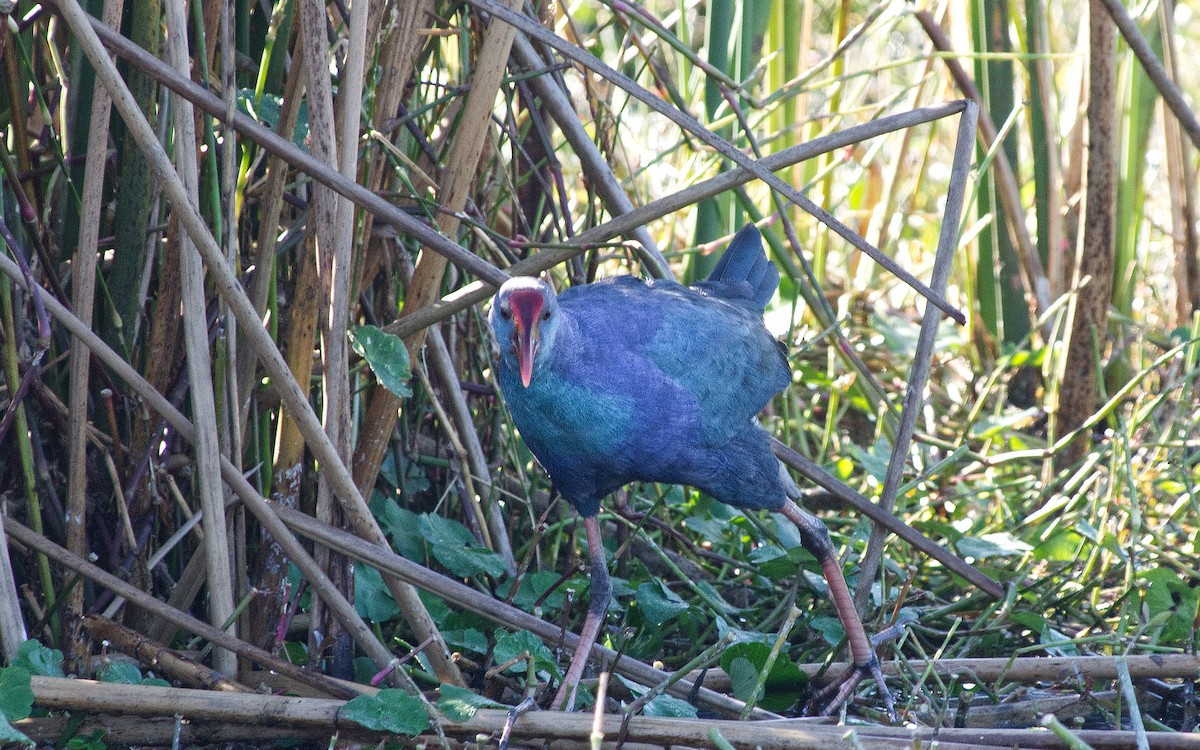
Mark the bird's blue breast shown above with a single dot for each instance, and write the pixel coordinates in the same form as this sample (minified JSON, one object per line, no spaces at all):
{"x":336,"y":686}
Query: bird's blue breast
{"x":572,"y":416}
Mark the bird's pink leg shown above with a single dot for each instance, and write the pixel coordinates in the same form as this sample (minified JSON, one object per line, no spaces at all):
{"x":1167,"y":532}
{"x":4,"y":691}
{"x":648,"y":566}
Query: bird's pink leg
{"x":600,"y":594}
{"x":815,"y":538}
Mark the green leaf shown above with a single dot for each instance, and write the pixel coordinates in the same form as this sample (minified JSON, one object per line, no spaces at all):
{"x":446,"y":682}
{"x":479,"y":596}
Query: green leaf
{"x":1001,"y":544}
{"x":39,"y":660}
{"x":121,"y":672}
{"x":1165,"y":592}
{"x":670,"y":707}
{"x":533,"y":587}
{"x":509,"y":646}
{"x":10,"y":736}
{"x":460,"y":704}
{"x":401,"y":525}
{"x":91,"y":741}
{"x":389,"y":710}
{"x":467,"y":639}
{"x":743,"y":676}
{"x":1062,"y":546}
{"x":830,"y":629}
{"x":663,"y":705}
{"x":372,"y":600}
{"x":658,"y":603}
{"x":16,"y":696}
{"x":778,"y":563}
{"x":454,"y":547}
{"x":785,"y":683}
{"x":386,"y":355}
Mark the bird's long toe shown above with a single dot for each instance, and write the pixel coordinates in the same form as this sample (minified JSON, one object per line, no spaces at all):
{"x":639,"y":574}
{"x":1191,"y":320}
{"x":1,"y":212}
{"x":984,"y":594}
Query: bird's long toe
{"x":830,"y":699}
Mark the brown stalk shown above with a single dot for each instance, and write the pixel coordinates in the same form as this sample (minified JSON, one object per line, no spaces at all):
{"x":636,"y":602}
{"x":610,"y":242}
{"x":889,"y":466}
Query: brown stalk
{"x":296,"y":156}
{"x":305,"y":715}
{"x":1089,"y":319}
{"x":1182,"y":177}
{"x":395,"y":64}
{"x":12,"y":624}
{"x":457,"y":179}
{"x":262,"y":510}
{"x":1026,"y":670}
{"x":217,"y":636}
{"x":199,"y":359}
{"x":227,"y":284}
{"x":164,"y":731}
{"x":331,"y":248}
{"x":83,"y":292}
{"x":269,"y":569}
{"x":166,"y":662}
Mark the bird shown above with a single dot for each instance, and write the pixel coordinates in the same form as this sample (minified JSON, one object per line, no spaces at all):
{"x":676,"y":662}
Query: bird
{"x":624,"y":380}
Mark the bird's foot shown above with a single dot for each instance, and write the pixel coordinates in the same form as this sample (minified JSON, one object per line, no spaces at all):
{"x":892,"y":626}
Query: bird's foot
{"x":844,"y":688}
{"x":515,"y":713}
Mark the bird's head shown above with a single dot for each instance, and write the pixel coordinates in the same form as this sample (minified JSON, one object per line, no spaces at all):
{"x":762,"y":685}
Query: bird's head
{"x":524,"y":319}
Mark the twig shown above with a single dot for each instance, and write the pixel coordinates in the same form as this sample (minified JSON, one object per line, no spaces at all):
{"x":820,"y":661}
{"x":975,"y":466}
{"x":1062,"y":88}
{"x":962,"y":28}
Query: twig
{"x":228,"y":285}
{"x":918,"y":374}
{"x":721,"y":146}
{"x":1135,"y":712}
{"x":293,"y":154}
{"x":1069,"y":738}
{"x":471,"y":600}
{"x":181,"y":619}
{"x":478,"y":291}
{"x":306,"y":716}
{"x":1158,"y":75}
{"x":241,"y":487}
{"x":887,"y":520}
{"x":199,"y":357}
{"x":1021,"y":670}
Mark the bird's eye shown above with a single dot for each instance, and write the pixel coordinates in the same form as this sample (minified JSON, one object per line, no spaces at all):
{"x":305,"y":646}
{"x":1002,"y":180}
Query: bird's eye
{"x":546,"y":315}
{"x":505,"y":312}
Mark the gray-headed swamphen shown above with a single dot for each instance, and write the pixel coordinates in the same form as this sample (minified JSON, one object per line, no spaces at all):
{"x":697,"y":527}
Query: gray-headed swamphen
{"x":627,"y":381}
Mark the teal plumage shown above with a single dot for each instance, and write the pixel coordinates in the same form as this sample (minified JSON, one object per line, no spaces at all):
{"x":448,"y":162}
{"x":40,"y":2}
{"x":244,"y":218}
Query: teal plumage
{"x":652,"y":381}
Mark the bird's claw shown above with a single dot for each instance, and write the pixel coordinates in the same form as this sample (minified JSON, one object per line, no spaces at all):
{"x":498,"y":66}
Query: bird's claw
{"x":844,"y":688}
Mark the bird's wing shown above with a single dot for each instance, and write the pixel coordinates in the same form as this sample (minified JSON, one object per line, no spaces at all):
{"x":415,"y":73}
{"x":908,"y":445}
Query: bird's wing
{"x":669,"y":341}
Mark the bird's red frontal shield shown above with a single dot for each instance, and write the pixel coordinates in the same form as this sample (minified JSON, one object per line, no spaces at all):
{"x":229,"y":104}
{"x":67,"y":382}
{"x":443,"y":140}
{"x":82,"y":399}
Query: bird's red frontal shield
{"x":527,"y":311}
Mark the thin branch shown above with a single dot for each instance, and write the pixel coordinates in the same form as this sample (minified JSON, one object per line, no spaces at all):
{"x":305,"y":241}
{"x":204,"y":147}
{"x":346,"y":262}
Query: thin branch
{"x":217,"y":636}
{"x":623,"y":224}
{"x":199,"y":358}
{"x":692,"y":125}
{"x":293,"y":154}
{"x":226,"y":282}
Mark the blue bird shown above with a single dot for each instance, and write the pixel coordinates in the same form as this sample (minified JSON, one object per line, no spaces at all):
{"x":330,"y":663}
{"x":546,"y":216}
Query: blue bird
{"x":627,"y":380}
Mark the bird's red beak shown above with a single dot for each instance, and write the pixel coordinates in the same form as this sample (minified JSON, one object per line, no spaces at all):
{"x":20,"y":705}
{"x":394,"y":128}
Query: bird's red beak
{"x":527,"y":311}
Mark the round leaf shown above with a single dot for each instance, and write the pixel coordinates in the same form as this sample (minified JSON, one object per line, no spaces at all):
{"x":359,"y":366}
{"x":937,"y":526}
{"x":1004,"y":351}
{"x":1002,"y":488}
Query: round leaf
{"x":388,"y":711}
{"x":387,"y":357}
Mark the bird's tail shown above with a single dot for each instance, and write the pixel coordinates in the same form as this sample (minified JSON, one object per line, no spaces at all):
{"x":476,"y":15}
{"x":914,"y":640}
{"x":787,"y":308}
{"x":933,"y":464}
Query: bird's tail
{"x":745,"y":265}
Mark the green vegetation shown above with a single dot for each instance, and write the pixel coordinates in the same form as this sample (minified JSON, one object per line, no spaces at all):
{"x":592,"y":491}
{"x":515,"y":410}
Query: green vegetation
{"x":340,"y":362}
